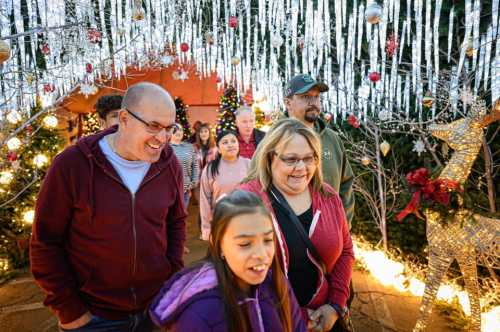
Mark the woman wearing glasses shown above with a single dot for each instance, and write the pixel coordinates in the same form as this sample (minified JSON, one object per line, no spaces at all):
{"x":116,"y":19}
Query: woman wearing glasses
{"x":220,"y":177}
{"x":316,"y":247}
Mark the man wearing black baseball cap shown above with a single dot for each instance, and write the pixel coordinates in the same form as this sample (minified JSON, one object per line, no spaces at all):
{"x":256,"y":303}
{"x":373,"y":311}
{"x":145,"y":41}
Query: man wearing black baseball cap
{"x":303,"y":102}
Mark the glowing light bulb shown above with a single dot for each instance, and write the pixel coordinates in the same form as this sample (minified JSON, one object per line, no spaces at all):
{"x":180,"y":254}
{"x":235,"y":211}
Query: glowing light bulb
{"x":14,"y":144}
{"x":40,"y":160}
{"x":50,"y":121}
{"x":29,"y":216}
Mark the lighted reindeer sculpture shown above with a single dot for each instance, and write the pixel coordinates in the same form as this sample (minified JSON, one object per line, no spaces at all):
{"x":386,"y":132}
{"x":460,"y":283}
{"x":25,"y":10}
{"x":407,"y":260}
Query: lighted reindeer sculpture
{"x":467,"y":235}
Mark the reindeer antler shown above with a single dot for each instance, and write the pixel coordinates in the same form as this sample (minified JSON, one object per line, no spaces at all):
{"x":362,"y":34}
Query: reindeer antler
{"x":492,"y":117}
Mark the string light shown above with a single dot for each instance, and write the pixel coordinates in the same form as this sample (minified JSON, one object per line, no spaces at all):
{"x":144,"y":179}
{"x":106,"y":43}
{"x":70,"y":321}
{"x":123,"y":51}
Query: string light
{"x":13,"y":144}
{"x":6,"y":177}
{"x":50,"y":121}
{"x":40,"y":160}
{"x":29,"y":216}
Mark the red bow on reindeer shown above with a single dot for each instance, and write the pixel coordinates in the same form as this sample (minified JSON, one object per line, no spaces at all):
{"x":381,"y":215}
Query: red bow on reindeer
{"x":437,"y":191}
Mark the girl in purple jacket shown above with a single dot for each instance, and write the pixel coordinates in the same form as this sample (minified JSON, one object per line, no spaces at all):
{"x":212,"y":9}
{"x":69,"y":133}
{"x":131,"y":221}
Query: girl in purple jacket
{"x":240,"y":285}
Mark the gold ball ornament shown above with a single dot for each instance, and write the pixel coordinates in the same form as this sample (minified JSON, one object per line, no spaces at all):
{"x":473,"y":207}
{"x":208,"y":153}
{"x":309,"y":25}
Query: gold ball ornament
{"x":373,"y":13}
{"x":139,"y":14}
{"x":366,"y":161}
{"x":4,"y":51}
{"x":384,"y":148}
{"x":235,"y":60}
{"x":428,"y":100}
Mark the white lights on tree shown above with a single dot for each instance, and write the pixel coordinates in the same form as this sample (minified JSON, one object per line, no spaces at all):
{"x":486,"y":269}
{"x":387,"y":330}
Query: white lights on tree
{"x":13,"y":144}
{"x":6,"y":177}
{"x":50,"y":121}
{"x":29,"y":217}
{"x":40,"y":160}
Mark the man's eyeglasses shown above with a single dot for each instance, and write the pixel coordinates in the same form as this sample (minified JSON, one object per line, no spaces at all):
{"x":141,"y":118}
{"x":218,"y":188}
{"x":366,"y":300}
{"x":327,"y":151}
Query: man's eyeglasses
{"x":153,"y":128}
{"x":309,"y":99}
{"x":294,"y":161}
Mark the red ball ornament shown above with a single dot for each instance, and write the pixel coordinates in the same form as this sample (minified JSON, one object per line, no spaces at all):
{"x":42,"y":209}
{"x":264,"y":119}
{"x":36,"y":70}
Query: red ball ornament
{"x":374,"y":77}
{"x":48,"y":87}
{"x":184,"y":47}
{"x":233,"y":22}
{"x":29,"y":129}
{"x":89,"y":68}
{"x":94,"y":36}
{"x":353,"y":121}
{"x":45,"y":49}
{"x":11,"y":156}
{"x":392,"y":45}
{"x":218,"y":80}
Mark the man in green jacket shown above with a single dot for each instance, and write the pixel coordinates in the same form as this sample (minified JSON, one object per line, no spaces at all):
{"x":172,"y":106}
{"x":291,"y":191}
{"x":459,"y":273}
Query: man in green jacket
{"x":302,"y":101}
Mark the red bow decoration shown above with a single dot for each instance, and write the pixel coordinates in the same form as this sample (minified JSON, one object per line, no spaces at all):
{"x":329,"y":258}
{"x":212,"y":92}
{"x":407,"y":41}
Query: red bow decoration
{"x":436,"y":191}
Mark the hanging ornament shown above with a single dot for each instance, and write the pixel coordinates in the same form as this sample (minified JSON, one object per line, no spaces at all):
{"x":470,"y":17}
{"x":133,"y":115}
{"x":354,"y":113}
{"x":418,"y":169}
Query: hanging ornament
{"x":364,"y":91}
{"x":48,"y":87}
{"x":233,"y":22}
{"x":29,"y":216}
{"x":218,"y":79}
{"x":373,"y":13}
{"x":94,"y":36}
{"x":166,"y":60}
{"x":30,"y":78}
{"x":384,"y":148}
{"x":276,"y":40}
{"x":328,"y":117}
{"x":6,"y":177}
{"x":374,"y":76}
{"x":89,"y":68}
{"x":11,"y":156}
{"x":209,"y":38}
{"x":175,"y":75}
{"x":419,"y":146}
{"x":4,"y":51}
{"x":14,"y":117}
{"x":235,"y":60}
{"x":29,"y":129}
{"x":184,"y":47}
{"x":50,"y":121}
{"x":45,"y":49}
{"x":428,"y":99}
{"x":470,"y":51}
{"x":14,"y":144}
{"x":384,"y":115}
{"x":366,"y":161}
{"x":301,"y":42}
{"x":40,"y":160}
{"x":353,"y":121}
{"x":139,"y":14}
{"x":392,"y":45}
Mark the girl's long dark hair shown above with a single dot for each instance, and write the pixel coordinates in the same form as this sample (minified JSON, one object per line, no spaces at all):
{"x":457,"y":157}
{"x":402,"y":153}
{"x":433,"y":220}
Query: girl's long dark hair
{"x":237,"y":203}
{"x":213,"y":166}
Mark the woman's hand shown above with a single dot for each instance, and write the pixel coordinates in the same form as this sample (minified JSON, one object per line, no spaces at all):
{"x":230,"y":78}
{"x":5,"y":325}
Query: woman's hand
{"x":322,"y":319}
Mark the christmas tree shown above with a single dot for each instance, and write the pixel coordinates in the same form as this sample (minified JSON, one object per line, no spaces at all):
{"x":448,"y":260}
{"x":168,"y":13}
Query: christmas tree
{"x":26,"y":158}
{"x":181,"y":117}
{"x":229,"y":103}
{"x":90,"y":123}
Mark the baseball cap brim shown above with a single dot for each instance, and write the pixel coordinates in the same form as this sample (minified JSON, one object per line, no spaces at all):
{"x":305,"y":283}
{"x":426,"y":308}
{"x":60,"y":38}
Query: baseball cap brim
{"x":321,"y":86}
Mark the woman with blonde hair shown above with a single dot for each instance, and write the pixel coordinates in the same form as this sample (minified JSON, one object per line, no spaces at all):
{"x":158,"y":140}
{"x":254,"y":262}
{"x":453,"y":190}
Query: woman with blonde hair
{"x":314,"y":240}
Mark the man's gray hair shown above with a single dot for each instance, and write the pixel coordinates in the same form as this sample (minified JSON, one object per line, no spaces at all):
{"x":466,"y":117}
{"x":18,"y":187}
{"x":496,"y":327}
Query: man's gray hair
{"x":137,"y":92}
{"x":244,"y":110}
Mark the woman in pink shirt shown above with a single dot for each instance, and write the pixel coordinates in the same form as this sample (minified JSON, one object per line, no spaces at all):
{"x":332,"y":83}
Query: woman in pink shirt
{"x":220,"y":176}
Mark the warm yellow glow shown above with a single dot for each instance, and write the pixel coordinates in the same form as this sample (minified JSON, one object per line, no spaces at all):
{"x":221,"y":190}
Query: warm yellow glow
{"x":29,"y":216}
{"x":6,"y":177}
{"x":4,"y":264}
{"x":50,"y":121}
{"x":40,"y":160}
{"x":14,"y":144}
{"x":391,"y":273}
{"x":14,"y":117}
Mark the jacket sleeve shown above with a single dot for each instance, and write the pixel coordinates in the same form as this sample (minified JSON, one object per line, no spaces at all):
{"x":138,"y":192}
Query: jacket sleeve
{"x":206,"y":194}
{"x":195,"y":169}
{"x":49,"y":264}
{"x":346,"y":191}
{"x":176,"y":224}
{"x":340,"y":276}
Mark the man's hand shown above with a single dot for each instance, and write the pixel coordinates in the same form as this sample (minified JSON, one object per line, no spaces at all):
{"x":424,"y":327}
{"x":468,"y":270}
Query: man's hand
{"x":322,"y":319}
{"x":79,"y":322}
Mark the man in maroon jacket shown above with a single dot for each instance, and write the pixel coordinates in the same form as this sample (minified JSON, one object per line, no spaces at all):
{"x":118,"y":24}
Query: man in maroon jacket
{"x":110,"y":220}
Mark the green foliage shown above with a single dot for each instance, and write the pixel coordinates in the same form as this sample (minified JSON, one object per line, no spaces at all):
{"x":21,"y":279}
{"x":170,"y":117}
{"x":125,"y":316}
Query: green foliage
{"x":455,"y":316}
{"x":229,"y":103}
{"x":18,"y":197}
{"x":181,"y":117}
